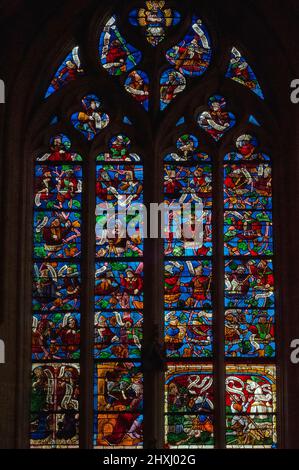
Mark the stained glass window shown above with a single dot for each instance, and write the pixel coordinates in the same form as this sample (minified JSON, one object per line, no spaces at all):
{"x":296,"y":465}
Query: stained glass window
{"x":154,"y":123}
{"x":56,"y":319}
{"x":118,"y":384}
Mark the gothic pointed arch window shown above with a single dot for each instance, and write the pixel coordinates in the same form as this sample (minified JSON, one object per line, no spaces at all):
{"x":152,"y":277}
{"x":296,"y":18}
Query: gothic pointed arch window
{"x":136,"y":341}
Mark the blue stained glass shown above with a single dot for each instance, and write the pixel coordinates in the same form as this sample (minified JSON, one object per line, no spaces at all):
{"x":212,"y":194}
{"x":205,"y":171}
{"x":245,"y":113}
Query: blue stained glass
{"x":127,"y":121}
{"x":254,"y":121}
{"x":180,"y":122}
{"x":68,"y":71}
{"x":240,"y":71}
{"x":116,"y":55}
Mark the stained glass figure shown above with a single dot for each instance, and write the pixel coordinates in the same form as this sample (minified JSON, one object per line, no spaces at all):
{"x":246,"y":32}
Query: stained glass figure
{"x":250,"y":404}
{"x":249,"y":284}
{"x":60,"y":147}
{"x":119,"y":285}
{"x":189,"y":405}
{"x":56,"y":336}
{"x":187,"y":151}
{"x":189,"y":431}
{"x":58,"y":187}
{"x":155,"y":18}
{"x":247,"y":149}
{"x":248,"y":186}
{"x":69,"y":70}
{"x":192,"y":55}
{"x":54,"y":405}
{"x":248,"y":233}
{"x":187,"y":284}
{"x":137,"y":84}
{"x":119,"y":150}
{"x":116,"y":55}
{"x":188,"y":333}
{"x":118,"y":335}
{"x":250,"y":333}
{"x":216,"y":121}
{"x":240,"y":71}
{"x":56,"y":286}
{"x":172,"y":83}
{"x":91,"y":120}
{"x":118,"y":388}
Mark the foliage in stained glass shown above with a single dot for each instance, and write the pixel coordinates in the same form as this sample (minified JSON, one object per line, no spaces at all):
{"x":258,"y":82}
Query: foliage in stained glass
{"x":248,"y":233}
{"x":155,"y":18}
{"x":56,"y":286}
{"x":119,"y":285}
{"x":240,"y":71}
{"x":69,"y":70}
{"x":118,"y":335}
{"x":56,"y":336}
{"x":137,"y":84}
{"x":58,"y":187}
{"x":116,"y":54}
{"x":91,"y":119}
{"x":249,"y":284}
{"x":247,"y":146}
{"x":187,"y":284}
{"x":54,"y":405}
{"x":189,"y":431}
{"x":192,"y":55}
{"x":57,"y":234}
{"x":119,"y":150}
{"x":188,"y":333}
{"x":172,"y":83}
{"x":250,"y":333}
{"x":187,"y":151}
{"x":60,"y":146}
{"x":216,"y":121}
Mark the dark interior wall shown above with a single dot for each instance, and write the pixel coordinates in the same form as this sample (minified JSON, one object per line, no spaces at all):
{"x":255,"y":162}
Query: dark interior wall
{"x":31,"y":33}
